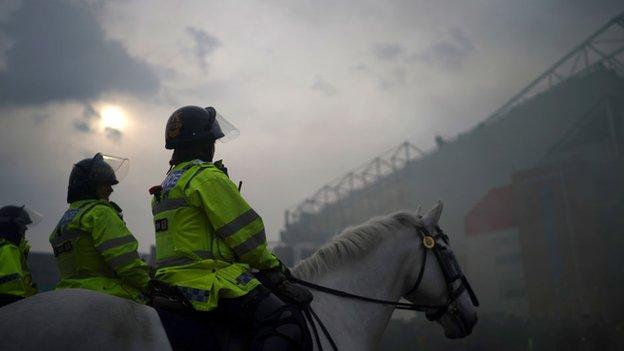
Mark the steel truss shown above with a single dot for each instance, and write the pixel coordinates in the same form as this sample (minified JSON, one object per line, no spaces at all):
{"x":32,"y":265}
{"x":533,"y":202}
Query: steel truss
{"x":361,"y":177}
{"x":605,"y":47}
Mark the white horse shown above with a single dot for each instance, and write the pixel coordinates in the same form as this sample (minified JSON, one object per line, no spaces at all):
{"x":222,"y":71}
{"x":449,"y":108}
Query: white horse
{"x":380,"y":259}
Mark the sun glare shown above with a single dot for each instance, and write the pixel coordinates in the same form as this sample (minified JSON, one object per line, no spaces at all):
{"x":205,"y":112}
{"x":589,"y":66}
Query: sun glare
{"x":113,"y":117}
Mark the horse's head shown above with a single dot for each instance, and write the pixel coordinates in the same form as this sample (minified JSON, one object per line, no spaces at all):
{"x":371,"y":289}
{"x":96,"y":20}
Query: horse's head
{"x":440,"y":284}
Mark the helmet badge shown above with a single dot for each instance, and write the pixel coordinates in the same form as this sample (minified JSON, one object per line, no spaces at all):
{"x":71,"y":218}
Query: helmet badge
{"x":174,"y":125}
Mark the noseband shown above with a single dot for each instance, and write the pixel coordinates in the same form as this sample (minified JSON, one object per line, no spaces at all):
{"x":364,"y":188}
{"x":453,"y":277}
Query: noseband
{"x":450,"y":270}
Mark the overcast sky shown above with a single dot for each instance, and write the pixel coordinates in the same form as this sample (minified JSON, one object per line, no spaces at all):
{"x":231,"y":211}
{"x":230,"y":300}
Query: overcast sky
{"x":316,"y":87}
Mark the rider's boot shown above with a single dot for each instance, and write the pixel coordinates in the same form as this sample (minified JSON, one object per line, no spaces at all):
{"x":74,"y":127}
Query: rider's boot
{"x":273,"y":325}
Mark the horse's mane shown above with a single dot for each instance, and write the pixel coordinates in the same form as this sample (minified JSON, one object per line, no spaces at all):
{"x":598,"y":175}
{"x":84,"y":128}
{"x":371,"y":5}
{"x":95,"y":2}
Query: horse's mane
{"x":353,"y":243}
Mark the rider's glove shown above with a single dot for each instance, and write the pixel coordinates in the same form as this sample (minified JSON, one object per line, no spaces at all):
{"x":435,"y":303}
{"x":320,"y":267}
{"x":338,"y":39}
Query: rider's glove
{"x":271,"y":278}
{"x":276,"y":279}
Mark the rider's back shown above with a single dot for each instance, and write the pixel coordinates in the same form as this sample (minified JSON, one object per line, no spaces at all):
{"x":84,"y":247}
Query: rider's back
{"x":95,"y":250}
{"x":207,"y":236}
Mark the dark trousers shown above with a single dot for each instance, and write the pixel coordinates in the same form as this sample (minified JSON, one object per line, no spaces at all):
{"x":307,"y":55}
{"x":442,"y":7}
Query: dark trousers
{"x":7,"y":299}
{"x":272,"y":324}
{"x":259,"y":319}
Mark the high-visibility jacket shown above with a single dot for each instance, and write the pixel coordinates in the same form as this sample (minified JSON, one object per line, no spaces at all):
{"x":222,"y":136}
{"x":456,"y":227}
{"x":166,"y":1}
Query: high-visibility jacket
{"x":15,"y":278}
{"x":207,"y":236}
{"x":95,"y":250}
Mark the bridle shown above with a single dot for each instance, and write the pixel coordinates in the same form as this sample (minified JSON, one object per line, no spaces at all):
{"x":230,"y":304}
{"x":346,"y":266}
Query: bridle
{"x":450,"y":270}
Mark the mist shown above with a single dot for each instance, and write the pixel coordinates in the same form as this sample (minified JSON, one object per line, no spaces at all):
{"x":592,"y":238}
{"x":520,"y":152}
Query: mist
{"x":351,"y":110}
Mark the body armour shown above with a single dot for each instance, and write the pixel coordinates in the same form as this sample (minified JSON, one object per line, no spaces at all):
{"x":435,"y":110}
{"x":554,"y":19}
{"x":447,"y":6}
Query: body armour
{"x":207,"y":236}
{"x":95,"y":250}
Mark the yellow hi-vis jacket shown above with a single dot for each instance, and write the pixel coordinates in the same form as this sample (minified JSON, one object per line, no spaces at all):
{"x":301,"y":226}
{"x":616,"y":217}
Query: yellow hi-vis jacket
{"x":95,"y":250}
{"x":15,"y":278}
{"x":207,"y":236}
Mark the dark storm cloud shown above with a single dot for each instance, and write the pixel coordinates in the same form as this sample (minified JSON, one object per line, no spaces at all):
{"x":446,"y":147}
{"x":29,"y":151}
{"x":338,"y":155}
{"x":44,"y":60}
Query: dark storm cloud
{"x":388,"y":51}
{"x":205,"y":44}
{"x":113,"y":134}
{"x":60,"y":53}
{"x":83,"y":126}
{"x":89,"y":114}
{"x":324,"y":87}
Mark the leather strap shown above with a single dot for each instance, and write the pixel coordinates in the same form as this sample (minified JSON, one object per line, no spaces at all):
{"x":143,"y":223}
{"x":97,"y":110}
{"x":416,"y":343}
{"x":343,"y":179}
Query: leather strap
{"x":398,"y":305}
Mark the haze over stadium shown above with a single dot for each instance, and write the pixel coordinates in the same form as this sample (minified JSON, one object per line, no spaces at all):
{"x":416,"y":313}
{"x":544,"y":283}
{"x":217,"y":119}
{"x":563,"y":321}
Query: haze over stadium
{"x":511,"y":112}
{"x":315,"y":88}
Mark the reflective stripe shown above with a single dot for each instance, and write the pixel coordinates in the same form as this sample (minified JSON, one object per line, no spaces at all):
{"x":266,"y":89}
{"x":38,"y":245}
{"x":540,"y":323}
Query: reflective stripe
{"x":168,"y":205}
{"x":120,"y":241}
{"x":67,"y":234}
{"x":193,"y":294}
{"x":123,"y":260}
{"x":181,"y":261}
{"x":9,"y":278}
{"x":250,"y":244}
{"x":237,"y":224}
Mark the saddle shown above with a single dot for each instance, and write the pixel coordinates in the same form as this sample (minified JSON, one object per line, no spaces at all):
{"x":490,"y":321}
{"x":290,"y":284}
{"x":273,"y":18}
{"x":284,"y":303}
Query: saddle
{"x":188,"y":329}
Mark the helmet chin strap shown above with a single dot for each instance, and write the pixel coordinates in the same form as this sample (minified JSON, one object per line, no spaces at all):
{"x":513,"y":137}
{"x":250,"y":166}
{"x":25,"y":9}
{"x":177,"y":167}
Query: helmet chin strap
{"x":103,"y":191}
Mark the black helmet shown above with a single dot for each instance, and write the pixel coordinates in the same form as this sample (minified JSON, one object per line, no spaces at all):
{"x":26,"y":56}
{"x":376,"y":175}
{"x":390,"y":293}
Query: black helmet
{"x":13,"y":221}
{"x":14,"y":214}
{"x":189,"y":125}
{"x":91,"y":172}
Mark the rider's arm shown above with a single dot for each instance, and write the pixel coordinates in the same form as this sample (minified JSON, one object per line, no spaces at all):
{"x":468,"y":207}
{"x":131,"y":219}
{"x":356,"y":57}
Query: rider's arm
{"x":234,"y":221}
{"x":118,"y":247}
{"x":29,"y":286}
{"x":12,"y":278}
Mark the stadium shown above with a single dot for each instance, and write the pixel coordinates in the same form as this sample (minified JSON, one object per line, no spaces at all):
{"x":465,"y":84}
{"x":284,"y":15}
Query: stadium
{"x":534,"y":197}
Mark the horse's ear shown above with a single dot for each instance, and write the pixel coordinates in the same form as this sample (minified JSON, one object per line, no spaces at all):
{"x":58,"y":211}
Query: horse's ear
{"x":433,"y":216}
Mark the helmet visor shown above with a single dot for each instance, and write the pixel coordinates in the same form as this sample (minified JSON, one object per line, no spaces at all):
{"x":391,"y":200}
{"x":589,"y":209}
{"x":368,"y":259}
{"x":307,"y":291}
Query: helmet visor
{"x":34,"y":217}
{"x":225,"y":128}
{"x":120,"y":165}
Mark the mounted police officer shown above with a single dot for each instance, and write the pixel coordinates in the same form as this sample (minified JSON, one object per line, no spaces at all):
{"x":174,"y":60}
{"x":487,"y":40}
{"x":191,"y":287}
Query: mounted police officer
{"x":208,"y":238}
{"x":15,"y":279}
{"x":93,"y":247}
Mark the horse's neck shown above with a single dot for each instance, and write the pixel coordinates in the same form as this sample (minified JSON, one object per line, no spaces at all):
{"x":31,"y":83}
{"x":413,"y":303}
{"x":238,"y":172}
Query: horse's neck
{"x":357,"y":325}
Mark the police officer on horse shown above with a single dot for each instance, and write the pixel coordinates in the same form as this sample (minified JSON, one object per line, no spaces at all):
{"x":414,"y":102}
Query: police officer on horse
{"x":208,"y":238}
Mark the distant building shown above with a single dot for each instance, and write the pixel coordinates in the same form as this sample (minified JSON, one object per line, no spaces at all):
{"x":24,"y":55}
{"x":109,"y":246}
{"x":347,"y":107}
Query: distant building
{"x":150,"y":258}
{"x":552,"y":239}
{"x":493,"y":246}
{"x":571,"y":219}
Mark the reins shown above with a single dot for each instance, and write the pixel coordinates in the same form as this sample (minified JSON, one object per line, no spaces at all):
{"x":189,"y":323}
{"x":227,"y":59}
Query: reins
{"x":429,"y":243}
{"x":396,"y":304}
{"x":312,"y":316}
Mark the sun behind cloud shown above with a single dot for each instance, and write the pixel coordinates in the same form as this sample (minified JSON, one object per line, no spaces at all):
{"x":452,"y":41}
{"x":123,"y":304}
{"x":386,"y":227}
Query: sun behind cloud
{"x":113,"y":116}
